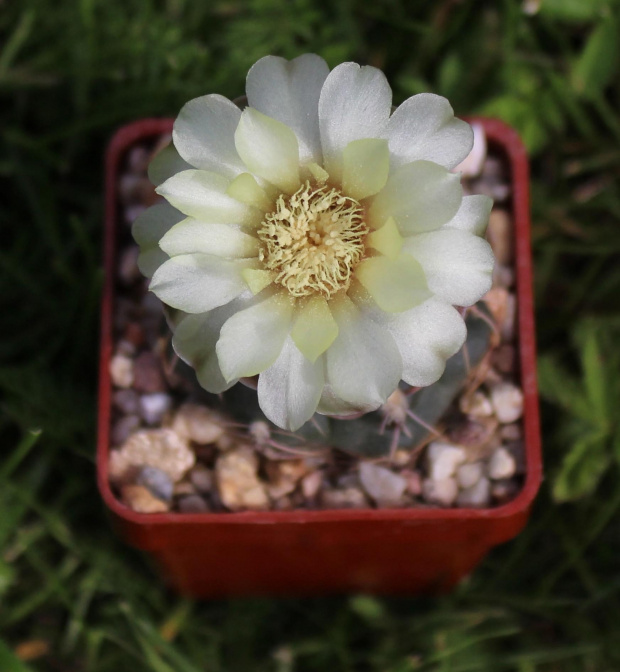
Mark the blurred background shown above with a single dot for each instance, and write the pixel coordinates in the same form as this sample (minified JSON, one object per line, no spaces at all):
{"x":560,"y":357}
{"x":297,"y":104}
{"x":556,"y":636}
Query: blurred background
{"x":72,"y":597}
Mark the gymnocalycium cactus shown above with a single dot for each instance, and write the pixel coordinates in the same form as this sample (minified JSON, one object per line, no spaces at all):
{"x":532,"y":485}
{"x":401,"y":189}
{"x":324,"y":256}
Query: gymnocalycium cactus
{"x":320,"y":241}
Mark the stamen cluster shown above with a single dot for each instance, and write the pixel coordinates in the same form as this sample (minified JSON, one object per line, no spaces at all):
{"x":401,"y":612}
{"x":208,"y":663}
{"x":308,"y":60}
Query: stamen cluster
{"x":313,"y":240}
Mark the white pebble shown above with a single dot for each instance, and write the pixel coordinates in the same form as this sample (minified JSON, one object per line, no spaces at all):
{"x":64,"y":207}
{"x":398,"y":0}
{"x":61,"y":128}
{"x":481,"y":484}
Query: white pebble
{"x":469,"y":474}
{"x":478,"y":405}
{"x":154,"y":406}
{"x":502,"y":464}
{"x":383,"y":485}
{"x":443,"y":492}
{"x":507,"y":400}
{"x":121,"y":371}
{"x":443,"y":460}
{"x":477,"y":496}
{"x":198,"y":423}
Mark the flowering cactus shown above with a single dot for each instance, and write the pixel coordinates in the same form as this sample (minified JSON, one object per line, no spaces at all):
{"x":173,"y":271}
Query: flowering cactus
{"x":316,"y":239}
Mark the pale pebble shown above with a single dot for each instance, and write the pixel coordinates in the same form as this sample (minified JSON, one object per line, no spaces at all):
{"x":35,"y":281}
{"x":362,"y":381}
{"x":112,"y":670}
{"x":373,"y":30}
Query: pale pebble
{"x":442,"y":492}
{"x":161,"y":448}
{"x":199,"y":424}
{"x":502,"y":464}
{"x":477,"y":405}
{"x":121,"y":371}
{"x":237,"y":480}
{"x":478,"y":496}
{"x":383,"y":485}
{"x":507,"y":400}
{"x":311,"y":484}
{"x":140,"y":499}
{"x":469,"y":474}
{"x":345,"y":498}
{"x":443,"y":460}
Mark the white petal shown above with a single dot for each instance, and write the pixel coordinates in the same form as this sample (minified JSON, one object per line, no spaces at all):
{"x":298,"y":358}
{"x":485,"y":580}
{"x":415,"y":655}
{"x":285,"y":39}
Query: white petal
{"x":193,"y":236}
{"x":147,"y":230}
{"x":269,"y":149}
{"x":202,"y":195}
{"x":252,"y":339}
{"x":330,"y":404}
{"x":197,"y":283}
{"x":363,"y":363}
{"x":473,"y":215}
{"x":458,"y":265}
{"x":194,"y":342}
{"x":424,"y":128}
{"x":290,"y":389}
{"x":289,"y":92}
{"x":421,"y":196}
{"x":426,"y":336}
{"x":355,"y":103}
{"x":165,"y":164}
{"x":204,"y":134}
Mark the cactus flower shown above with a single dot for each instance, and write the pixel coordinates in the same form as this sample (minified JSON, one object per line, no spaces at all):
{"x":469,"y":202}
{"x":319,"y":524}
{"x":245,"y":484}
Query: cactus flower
{"x":316,"y":238}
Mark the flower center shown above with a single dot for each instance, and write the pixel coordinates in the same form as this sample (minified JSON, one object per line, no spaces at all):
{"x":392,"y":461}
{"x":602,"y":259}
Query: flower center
{"x":313,"y":240}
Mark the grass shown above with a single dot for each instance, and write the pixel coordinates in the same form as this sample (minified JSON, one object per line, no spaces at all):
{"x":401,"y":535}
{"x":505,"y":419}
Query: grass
{"x":72,"y":597}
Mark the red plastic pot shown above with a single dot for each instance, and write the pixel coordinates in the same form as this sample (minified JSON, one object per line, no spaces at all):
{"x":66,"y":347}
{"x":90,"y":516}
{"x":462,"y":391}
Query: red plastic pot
{"x":400,"y":551}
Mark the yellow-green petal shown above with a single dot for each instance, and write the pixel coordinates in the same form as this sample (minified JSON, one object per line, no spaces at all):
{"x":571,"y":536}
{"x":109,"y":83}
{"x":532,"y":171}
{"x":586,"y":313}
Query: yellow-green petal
{"x":269,"y":149}
{"x":246,"y":189}
{"x":394,"y":284}
{"x":318,"y":172}
{"x":366,"y":164}
{"x":257,"y":279}
{"x":386,"y":240}
{"x":315,"y":328}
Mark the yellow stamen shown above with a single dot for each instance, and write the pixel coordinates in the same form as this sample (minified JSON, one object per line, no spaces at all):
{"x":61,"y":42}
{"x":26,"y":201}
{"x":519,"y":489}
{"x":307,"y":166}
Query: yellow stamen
{"x":313,"y":240}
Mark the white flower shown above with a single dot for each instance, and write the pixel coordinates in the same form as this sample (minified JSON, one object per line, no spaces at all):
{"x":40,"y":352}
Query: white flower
{"x":315,"y":238}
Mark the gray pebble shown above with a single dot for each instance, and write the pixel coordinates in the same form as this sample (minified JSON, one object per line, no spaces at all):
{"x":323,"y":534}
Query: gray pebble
{"x":192,"y":504}
{"x":123,"y":428}
{"x":157,"y":481}
{"x":153,"y":407}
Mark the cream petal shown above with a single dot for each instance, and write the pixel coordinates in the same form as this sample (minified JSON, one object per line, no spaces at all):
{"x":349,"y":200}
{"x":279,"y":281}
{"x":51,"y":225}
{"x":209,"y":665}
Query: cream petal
{"x":363,"y":363}
{"x":204,"y":134}
{"x":258,"y":278}
{"x":192,"y":236}
{"x":355,"y":103}
{"x":196,"y":283}
{"x":395,"y":284}
{"x":166,"y":163}
{"x":458,"y":265}
{"x":365,"y":167}
{"x":269,"y":149}
{"x":251,"y":340}
{"x":202,"y":195}
{"x":315,"y":328}
{"x":424,"y":128}
{"x":290,"y":389}
{"x":421,"y":196}
{"x":472,"y":216}
{"x":289,"y":91}
{"x":194,"y":342}
{"x":426,"y":336}
{"x":147,"y":230}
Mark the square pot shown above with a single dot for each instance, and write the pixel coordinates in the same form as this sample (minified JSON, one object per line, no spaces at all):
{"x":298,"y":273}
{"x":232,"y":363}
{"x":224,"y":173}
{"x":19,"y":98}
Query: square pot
{"x":312,"y":552}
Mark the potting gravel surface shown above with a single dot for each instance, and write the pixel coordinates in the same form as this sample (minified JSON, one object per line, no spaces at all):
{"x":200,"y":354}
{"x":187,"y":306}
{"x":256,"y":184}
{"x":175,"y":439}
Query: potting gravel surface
{"x":176,"y":448}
